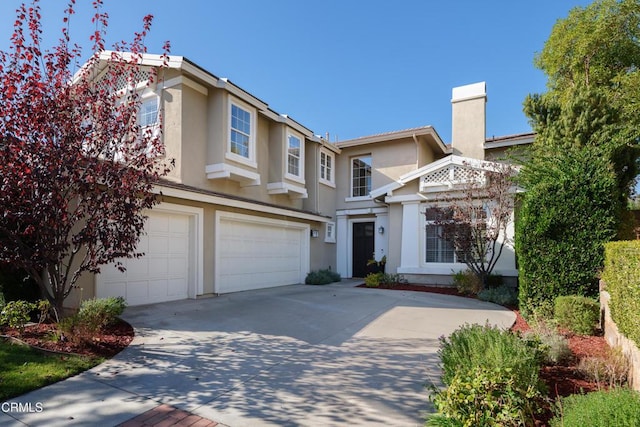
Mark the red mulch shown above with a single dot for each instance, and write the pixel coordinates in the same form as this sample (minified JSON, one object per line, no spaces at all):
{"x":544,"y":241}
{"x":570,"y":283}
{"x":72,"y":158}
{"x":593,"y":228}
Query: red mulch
{"x":561,"y":380}
{"x":109,"y":342}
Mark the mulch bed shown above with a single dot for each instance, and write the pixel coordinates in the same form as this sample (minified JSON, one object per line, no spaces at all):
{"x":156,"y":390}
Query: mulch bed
{"x":109,"y":342}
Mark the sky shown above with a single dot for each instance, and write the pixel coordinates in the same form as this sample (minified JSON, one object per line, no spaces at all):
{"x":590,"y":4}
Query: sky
{"x":348,"y":68}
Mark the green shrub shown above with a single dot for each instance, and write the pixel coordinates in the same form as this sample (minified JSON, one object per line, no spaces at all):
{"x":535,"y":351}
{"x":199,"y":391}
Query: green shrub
{"x":95,"y":314}
{"x":566,"y":215}
{"x":486,"y":397}
{"x":467,"y":283}
{"x":503,"y":295}
{"x":617,"y":407}
{"x":553,"y":347}
{"x":16,"y":314}
{"x":373,"y":280}
{"x":322,"y":277}
{"x":487,"y":347}
{"x":622,"y":277}
{"x":494,"y":281}
{"x":578,"y":314}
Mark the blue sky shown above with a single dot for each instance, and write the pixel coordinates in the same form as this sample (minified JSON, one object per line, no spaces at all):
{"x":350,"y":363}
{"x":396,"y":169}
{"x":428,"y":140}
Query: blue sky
{"x":348,"y":67}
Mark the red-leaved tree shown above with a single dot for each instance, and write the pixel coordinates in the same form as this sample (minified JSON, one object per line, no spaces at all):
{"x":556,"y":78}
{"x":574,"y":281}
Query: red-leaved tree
{"x":476,"y":216}
{"x":76,"y":167}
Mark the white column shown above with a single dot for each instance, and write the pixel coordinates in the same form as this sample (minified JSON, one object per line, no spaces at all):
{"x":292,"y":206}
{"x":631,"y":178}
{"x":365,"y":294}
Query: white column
{"x":381,"y":243}
{"x":410,"y":247}
{"x":342,"y":244}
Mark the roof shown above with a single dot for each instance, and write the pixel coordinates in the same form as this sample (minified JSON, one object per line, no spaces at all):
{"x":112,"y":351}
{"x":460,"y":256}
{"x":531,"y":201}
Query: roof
{"x":509,"y":140}
{"x":436,"y":141}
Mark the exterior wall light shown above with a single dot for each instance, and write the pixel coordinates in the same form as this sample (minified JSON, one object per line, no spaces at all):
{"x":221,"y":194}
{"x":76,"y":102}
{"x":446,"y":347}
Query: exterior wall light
{"x":381,"y":230}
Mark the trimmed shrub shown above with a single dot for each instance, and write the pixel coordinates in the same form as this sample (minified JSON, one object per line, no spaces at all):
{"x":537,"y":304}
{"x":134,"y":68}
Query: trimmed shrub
{"x":486,"y":397}
{"x":467,"y":283}
{"x":95,"y":314}
{"x":567,"y":214}
{"x":617,"y":407}
{"x":322,"y":277}
{"x":373,"y":280}
{"x":503,"y":295}
{"x":578,"y":314}
{"x":622,"y":277}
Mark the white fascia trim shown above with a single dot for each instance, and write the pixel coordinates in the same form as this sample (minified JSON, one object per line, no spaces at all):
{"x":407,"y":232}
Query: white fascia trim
{"x":358,"y":199}
{"x":187,"y":82}
{"x":386,"y":189}
{"x":404,"y":198}
{"x":362,"y":211}
{"x":240,"y":204}
{"x":223,"y":170}
{"x":294,"y":191}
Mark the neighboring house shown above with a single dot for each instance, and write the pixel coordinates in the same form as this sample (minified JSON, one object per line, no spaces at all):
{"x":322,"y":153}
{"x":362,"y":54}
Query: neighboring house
{"x":257,"y":200}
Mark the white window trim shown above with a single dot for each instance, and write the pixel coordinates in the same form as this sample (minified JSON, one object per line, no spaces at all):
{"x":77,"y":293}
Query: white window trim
{"x":330,"y":232}
{"x":330,"y":182}
{"x":146,"y":96}
{"x":351,"y":197}
{"x":300,"y":177}
{"x":251,"y":160}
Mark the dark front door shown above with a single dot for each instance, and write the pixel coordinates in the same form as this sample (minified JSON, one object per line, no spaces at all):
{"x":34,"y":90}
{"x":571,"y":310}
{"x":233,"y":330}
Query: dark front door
{"x":362,"y":248}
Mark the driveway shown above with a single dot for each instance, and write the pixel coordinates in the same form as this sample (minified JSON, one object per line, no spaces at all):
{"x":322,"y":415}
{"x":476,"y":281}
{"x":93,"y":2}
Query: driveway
{"x":289,"y":356}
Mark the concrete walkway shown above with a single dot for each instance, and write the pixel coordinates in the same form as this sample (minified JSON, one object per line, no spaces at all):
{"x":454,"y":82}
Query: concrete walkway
{"x":290,"y":356}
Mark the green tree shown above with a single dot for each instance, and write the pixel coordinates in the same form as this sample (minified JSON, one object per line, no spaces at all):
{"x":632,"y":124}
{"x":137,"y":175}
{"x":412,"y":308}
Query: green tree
{"x":585,"y":159}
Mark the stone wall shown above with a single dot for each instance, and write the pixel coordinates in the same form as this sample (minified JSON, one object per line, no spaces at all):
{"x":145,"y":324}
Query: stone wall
{"x":616,"y":339}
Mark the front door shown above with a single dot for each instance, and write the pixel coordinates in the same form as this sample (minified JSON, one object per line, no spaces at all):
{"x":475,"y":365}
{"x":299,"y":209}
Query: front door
{"x":362,"y":248}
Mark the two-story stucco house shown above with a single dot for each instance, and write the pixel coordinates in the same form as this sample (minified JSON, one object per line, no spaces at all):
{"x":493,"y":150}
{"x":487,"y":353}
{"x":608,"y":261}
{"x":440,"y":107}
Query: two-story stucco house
{"x":257,"y":200}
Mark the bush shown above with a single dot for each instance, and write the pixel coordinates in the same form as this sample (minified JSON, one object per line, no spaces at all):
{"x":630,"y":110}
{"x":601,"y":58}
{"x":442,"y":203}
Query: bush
{"x":467,"y":283}
{"x":486,"y":397}
{"x":618,"y":407}
{"x":322,"y":277}
{"x":487,"y":347}
{"x":553,"y":347}
{"x":95,"y":314}
{"x":578,"y":314}
{"x":16,"y":314}
{"x":503,"y":295}
{"x":622,"y":277}
{"x":608,"y":371}
{"x":566,"y":215}
{"x":373,"y":280}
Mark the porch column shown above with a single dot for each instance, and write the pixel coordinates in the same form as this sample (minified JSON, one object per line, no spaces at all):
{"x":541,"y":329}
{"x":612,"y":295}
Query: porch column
{"x":342,"y":245}
{"x":410,"y":247}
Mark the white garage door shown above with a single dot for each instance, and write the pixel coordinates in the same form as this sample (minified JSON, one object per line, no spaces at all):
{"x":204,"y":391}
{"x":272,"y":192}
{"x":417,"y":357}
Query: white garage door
{"x":254,"y":253}
{"x":162,"y":274}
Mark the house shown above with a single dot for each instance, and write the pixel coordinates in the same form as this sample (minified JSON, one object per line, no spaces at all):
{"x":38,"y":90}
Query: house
{"x":257,"y":200}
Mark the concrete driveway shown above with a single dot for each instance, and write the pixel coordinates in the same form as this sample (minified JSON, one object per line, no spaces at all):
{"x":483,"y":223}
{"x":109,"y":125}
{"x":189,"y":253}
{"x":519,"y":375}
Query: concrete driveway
{"x":290,"y":356}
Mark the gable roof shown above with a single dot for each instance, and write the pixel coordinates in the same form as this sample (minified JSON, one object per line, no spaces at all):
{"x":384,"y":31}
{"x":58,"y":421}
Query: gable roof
{"x":441,"y":164}
{"x":433,"y":139}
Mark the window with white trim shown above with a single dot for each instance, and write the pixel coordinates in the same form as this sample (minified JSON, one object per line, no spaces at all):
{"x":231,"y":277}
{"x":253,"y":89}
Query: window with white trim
{"x":327,"y":161}
{"x":437,"y":247}
{"x":330,"y":232}
{"x":240,"y":138}
{"x":360,"y":176}
{"x":148,"y":113}
{"x":294,"y":156}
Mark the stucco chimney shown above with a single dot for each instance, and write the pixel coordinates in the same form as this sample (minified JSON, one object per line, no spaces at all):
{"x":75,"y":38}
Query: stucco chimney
{"x":468,"y":109}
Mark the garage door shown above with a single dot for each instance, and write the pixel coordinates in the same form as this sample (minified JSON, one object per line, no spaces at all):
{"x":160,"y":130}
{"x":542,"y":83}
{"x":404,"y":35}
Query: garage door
{"x":162,"y":274}
{"x":254,"y":253}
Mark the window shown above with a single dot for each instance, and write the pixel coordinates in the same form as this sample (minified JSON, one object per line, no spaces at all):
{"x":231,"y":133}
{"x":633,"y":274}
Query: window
{"x":148,"y":114}
{"x":330,"y":233}
{"x":360,"y":176}
{"x":240,"y":131}
{"x":294,"y":153}
{"x":437,"y":248}
{"x":326,"y":168}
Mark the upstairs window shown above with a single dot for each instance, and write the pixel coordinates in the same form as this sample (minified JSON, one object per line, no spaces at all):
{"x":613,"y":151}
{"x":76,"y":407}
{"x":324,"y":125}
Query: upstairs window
{"x":326,"y":168}
{"x":294,"y":154}
{"x":360,"y":176}
{"x":240,"y":131}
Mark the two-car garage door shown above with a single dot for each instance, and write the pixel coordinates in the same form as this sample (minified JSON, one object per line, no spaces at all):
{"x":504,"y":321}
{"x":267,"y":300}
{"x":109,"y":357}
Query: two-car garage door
{"x":255,"y":252}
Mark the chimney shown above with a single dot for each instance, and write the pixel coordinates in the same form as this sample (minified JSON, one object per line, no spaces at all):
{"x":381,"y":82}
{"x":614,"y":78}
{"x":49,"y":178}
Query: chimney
{"x":468,"y":109}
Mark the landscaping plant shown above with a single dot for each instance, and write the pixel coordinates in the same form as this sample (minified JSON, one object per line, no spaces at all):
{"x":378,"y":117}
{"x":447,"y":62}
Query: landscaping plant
{"x":618,"y":407}
{"x":577,"y":313}
{"x":322,"y":277}
{"x":503,"y":295}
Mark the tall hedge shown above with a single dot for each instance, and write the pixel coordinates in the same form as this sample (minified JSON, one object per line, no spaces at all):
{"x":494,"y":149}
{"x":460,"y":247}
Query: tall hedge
{"x":622,"y":277}
{"x":568,"y":212}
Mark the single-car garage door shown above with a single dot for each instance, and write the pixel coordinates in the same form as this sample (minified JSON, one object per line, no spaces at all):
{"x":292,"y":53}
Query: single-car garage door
{"x":254,"y":252}
{"x":165,"y":271}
